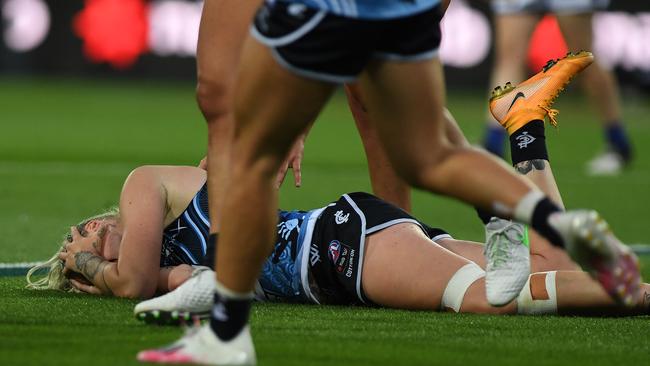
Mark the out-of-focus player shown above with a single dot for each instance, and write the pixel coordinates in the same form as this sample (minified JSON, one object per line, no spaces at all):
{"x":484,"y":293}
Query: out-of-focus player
{"x":515,"y":21}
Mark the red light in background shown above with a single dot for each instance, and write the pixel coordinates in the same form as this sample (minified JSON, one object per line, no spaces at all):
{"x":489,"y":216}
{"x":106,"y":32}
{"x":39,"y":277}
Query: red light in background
{"x":113,"y":31}
{"x":546,"y":43}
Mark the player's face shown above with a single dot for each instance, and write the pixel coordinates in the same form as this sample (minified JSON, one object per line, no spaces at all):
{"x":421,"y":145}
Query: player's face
{"x":108,"y":233}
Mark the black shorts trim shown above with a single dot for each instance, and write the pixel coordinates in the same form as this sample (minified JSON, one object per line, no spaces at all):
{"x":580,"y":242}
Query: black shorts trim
{"x":332,"y":48}
{"x":338,"y":241}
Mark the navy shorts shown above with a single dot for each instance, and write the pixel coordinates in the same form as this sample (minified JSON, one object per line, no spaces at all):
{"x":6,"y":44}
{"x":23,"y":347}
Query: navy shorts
{"x":326,"y":47}
{"x":339,"y":237}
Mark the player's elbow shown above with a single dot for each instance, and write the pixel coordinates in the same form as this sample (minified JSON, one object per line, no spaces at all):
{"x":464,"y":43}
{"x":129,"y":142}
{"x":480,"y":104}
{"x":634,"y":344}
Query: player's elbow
{"x":136,"y":291}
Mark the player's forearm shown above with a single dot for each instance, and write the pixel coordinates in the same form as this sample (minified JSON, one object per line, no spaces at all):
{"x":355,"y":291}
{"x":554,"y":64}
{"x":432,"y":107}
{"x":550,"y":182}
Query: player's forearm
{"x":105,"y":276}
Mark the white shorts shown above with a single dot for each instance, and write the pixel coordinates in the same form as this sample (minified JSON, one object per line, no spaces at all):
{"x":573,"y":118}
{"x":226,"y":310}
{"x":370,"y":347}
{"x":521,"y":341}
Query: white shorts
{"x":564,"y":7}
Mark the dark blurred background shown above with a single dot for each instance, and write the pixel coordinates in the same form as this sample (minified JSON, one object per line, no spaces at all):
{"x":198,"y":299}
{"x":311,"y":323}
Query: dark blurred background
{"x":157,"y":39}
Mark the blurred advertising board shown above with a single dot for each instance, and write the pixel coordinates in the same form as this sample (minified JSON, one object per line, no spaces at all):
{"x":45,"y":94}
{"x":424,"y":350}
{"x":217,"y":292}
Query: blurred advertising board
{"x":157,"y":38}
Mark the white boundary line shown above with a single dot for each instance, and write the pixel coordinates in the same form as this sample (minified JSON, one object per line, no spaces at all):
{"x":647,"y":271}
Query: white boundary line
{"x":21,"y":268}
{"x":16,"y":269}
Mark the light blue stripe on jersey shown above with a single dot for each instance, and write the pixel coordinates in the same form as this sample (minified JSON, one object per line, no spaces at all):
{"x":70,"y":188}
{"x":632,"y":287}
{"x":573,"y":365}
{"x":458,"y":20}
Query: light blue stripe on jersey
{"x":368,"y":9}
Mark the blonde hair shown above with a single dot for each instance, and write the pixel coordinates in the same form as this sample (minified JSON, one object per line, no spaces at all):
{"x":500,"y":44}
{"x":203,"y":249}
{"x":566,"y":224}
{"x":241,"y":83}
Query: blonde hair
{"x":54,"y":279}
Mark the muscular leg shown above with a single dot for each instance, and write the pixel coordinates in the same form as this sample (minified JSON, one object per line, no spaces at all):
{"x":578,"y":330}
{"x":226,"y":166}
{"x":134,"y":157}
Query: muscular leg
{"x":511,"y":34}
{"x":224,"y":25}
{"x":418,"y":147}
{"x":386,"y":184}
{"x":266,"y":125}
{"x":421,"y":270}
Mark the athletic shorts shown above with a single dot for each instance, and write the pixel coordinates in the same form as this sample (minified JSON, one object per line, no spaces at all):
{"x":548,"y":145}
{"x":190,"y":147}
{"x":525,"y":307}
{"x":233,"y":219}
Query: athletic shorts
{"x":563,"y":7}
{"x":338,"y":242}
{"x":318,"y":45}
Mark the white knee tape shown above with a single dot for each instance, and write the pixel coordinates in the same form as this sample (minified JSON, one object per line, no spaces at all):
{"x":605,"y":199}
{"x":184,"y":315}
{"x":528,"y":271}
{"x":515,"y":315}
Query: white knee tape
{"x":539,"y":300}
{"x":454,"y":293}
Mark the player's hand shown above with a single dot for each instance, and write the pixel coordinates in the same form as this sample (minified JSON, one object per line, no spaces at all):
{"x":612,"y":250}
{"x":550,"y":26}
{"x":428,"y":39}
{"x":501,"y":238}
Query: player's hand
{"x":89,"y":289}
{"x":293,"y":161}
{"x":79,"y":244}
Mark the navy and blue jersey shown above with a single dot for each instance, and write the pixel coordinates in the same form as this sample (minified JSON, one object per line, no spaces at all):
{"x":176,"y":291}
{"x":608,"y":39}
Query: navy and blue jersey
{"x":185,"y":242}
{"x":368,"y":9}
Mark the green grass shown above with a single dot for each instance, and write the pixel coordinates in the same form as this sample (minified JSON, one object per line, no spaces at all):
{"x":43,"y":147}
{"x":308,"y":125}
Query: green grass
{"x":66,"y":147}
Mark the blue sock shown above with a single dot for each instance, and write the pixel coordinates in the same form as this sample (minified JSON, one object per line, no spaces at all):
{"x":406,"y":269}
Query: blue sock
{"x":617,"y":139}
{"x":494,"y":142}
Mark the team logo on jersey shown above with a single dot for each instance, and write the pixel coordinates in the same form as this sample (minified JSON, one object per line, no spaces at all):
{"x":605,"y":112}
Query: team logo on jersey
{"x":340,"y":218}
{"x":524,"y":140}
{"x":334,"y":251}
{"x":314,"y":256}
{"x":340,"y":255}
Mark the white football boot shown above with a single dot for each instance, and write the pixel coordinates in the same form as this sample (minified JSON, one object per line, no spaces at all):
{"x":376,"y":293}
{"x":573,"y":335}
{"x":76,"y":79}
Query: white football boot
{"x":590,"y":242}
{"x":190,"y":301}
{"x":507,"y":254}
{"x":201,"y":346}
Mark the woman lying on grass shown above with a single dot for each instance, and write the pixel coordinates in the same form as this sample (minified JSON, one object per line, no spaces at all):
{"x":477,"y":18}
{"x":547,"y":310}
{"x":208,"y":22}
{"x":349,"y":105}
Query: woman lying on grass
{"x":357,"y":250}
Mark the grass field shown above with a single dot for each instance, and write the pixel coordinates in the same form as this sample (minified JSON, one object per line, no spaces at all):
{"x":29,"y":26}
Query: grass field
{"x":66,"y":147}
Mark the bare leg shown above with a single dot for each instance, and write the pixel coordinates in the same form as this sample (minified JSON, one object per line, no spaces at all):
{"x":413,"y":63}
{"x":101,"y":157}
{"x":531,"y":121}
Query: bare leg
{"x":512,"y":33}
{"x":429,"y":160}
{"x":602,"y":89}
{"x":422,"y":269}
{"x":224,"y":25}
{"x":385,"y":181}
{"x":386,"y":184}
{"x":598,"y":82}
{"x":267,"y":124}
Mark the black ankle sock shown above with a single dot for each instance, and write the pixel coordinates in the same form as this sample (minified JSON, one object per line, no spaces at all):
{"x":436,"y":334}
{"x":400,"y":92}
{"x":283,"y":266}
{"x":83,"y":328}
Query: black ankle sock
{"x":528,"y":143}
{"x":542,"y":211}
{"x":229,"y":316}
{"x":210,"y":251}
{"x":483,"y":215}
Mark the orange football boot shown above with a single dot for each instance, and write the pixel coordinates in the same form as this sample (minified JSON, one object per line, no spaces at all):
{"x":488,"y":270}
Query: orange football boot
{"x":515,"y":106}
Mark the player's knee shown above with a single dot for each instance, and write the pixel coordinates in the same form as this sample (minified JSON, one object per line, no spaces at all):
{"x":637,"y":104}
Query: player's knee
{"x":418,"y":169}
{"x":214,"y":98}
{"x":455,"y":298}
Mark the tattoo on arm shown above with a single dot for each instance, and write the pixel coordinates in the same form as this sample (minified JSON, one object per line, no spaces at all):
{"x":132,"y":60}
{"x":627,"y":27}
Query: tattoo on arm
{"x":527,"y":166}
{"x":88,"y":264}
{"x":108,"y":289}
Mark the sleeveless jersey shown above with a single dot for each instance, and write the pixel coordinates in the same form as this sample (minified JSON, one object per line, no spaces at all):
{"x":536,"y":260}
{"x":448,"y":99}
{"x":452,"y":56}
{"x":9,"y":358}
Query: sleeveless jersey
{"x":185,"y":242}
{"x":367,"y":9}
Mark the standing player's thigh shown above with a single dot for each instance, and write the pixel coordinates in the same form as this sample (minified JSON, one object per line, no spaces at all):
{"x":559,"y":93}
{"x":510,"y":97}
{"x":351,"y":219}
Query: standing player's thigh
{"x":402,"y":268}
{"x":405,"y":101}
{"x":223,"y":29}
{"x":512,"y":32}
{"x":272,"y":105}
{"x":577,"y":30}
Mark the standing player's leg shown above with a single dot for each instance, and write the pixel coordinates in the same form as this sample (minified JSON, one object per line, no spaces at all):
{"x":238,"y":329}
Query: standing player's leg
{"x":224,"y":26}
{"x":512,"y":32}
{"x":266,"y":126}
{"x":602,"y":88}
{"x":420,"y":153}
{"x":386,"y":184}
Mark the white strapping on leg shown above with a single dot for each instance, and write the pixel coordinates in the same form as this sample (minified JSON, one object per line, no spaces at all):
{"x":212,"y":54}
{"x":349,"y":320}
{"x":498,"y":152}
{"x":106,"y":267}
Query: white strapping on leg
{"x":454,"y":293}
{"x":529,"y":306}
{"x":526,"y":206}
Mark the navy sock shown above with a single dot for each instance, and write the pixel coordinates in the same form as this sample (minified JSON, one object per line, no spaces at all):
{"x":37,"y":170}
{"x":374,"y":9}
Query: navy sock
{"x":229,"y":316}
{"x":495,"y":137}
{"x":542,"y":211}
{"x":618,"y":140}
